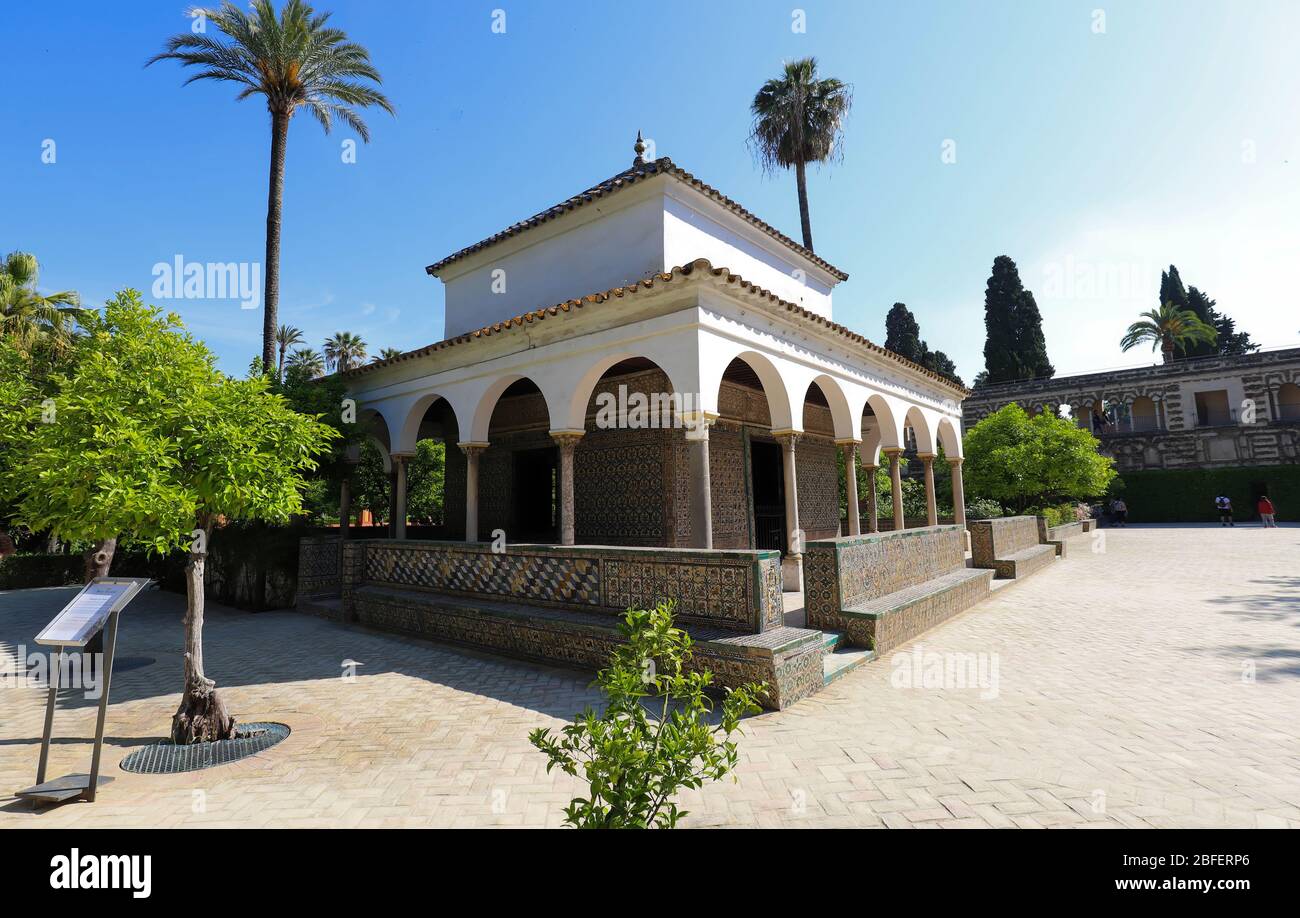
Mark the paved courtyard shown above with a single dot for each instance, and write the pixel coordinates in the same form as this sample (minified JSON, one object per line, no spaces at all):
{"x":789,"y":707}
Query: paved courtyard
{"x":1156,"y":683}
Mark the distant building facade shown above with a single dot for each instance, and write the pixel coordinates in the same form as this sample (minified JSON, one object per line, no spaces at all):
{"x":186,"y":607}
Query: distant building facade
{"x":1211,"y":412}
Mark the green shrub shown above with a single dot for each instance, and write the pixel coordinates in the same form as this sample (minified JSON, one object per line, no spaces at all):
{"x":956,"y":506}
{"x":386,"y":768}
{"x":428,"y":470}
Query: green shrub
{"x":633,"y":760}
{"x":24,"y":572}
{"x":983,"y":509}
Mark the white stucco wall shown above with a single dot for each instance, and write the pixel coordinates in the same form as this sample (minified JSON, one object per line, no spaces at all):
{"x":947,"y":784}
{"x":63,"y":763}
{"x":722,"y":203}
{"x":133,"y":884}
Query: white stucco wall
{"x":594,"y":249}
{"x":633,"y":234}
{"x":692,"y":232}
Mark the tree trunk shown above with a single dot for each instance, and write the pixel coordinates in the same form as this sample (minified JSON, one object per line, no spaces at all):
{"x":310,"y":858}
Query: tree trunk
{"x":800,"y":175}
{"x":202,"y":715}
{"x":1167,"y":350}
{"x":274,"y":207}
{"x":99,"y":558}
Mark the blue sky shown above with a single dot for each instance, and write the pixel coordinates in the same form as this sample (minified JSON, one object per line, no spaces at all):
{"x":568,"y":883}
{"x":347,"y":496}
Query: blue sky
{"x":1092,"y":157}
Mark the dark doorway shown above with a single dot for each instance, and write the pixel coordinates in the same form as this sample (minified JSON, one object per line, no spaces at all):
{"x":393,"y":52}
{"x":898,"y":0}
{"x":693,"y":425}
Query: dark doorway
{"x":536,"y":476}
{"x":769,"y":495}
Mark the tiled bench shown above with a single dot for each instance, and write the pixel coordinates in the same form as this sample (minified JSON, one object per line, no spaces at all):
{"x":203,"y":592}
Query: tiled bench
{"x":1058,"y":535}
{"x":1009,"y":546}
{"x":788,"y":659}
{"x":883,"y":589}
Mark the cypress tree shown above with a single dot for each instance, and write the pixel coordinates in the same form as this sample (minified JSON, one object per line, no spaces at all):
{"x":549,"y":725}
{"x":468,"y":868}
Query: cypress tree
{"x":1203,"y":306}
{"x":902,"y":333}
{"x":1001,"y":354}
{"x":1031,"y":343}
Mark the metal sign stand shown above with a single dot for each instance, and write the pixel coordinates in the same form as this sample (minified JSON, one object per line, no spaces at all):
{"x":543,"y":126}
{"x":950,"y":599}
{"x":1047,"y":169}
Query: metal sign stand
{"x":68,"y":629}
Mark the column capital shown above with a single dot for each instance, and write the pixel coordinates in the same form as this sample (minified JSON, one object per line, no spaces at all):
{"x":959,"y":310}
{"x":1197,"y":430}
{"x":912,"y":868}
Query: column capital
{"x":472,"y":449}
{"x":848,"y":441}
{"x":697,"y":423}
{"x":954,"y":460}
{"x":893,"y":452}
{"x":927,"y":458}
{"x":401,"y":457}
{"x":567,"y":437}
{"x":788,"y":437}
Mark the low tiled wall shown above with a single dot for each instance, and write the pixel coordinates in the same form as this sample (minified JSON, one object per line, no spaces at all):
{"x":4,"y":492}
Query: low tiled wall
{"x":1001,"y":538}
{"x":736,"y":590}
{"x":1057,"y":535}
{"x":318,"y":566}
{"x":788,"y":660}
{"x":840,"y":573}
{"x":885,"y":588}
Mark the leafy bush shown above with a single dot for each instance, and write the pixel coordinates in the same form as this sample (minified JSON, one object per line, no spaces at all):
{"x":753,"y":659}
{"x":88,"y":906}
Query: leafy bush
{"x":634,"y":761}
{"x":983,"y":509}
{"x":1059,"y":514}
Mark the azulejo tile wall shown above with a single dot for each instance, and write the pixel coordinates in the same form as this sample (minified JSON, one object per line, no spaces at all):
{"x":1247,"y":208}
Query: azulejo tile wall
{"x":318,"y":565}
{"x":884,"y":588}
{"x":1001,"y":537}
{"x":841,"y":573}
{"x":736,"y":590}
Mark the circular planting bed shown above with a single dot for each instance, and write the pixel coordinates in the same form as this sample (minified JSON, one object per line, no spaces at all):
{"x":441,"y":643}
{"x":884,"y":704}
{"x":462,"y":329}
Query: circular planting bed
{"x":166,"y":758}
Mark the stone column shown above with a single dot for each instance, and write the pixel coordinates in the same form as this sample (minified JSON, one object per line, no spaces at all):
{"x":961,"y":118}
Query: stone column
{"x":958,"y":493}
{"x":567,"y":440}
{"x":697,"y":439}
{"x":792,"y":563}
{"x":472,"y":452}
{"x":399,"y":495}
{"x":931,"y":504}
{"x":345,"y":508}
{"x":392,"y":500}
{"x":896,"y":485}
{"x":850,"y":448}
{"x":350,"y":459}
{"x":873,"y":514}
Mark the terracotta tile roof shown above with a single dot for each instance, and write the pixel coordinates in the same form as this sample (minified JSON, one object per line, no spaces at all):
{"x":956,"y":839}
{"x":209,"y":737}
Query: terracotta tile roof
{"x":638,"y":172}
{"x":700,"y":266}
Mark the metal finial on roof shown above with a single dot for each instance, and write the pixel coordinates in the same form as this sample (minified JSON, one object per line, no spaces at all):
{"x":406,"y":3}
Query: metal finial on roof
{"x":639,"y":147}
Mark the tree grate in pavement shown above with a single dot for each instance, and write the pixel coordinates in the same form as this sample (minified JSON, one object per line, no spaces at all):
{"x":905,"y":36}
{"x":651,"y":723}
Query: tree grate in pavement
{"x":166,"y":758}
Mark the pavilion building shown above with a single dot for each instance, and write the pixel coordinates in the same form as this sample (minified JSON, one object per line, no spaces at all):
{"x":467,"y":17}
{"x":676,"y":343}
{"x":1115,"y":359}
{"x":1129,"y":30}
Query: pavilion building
{"x":647,"y":363}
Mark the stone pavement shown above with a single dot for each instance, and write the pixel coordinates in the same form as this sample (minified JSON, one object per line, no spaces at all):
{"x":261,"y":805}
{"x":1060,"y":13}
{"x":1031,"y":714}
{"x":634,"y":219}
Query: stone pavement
{"x":1156,"y":683}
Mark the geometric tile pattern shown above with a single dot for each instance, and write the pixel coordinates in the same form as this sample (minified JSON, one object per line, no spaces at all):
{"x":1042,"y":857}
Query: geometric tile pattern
{"x":548,"y":578}
{"x":735,"y":590}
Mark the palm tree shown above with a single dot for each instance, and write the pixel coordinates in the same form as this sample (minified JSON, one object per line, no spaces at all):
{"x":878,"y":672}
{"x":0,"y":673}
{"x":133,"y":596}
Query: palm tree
{"x":309,"y":359}
{"x":295,"y":61}
{"x":28,"y":318}
{"x":344,"y":351}
{"x":799,"y":119}
{"x":286,"y":337}
{"x":1168,"y":328}
{"x":388,"y":353}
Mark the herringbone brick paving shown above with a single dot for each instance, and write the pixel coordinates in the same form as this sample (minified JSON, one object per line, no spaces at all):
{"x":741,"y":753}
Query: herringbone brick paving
{"x":1156,"y":683}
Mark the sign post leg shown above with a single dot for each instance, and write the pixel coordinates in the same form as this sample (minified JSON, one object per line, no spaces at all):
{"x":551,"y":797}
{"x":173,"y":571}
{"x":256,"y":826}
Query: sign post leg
{"x":49,"y":717}
{"x":110,"y":645}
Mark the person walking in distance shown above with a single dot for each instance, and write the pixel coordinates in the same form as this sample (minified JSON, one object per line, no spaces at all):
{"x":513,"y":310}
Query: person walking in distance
{"x":1120,"y":509}
{"x":1224,"y":505}
{"x":1266,"y":512}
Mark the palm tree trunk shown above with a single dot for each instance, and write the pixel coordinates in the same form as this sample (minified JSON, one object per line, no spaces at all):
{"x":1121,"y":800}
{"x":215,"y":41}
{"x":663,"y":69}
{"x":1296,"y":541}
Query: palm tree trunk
{"x":279,"y":366}
{"x":801,"y":177}
{"x":202,"y":715}
{"x":1167,"y":349}
{"x":274,"y":208}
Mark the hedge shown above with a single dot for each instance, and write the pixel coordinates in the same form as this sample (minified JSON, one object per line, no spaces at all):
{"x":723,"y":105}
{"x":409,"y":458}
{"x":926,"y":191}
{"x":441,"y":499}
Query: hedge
{"x":22,"y":572}
{"x":250,"y":565}
{"x":1187,"y":495}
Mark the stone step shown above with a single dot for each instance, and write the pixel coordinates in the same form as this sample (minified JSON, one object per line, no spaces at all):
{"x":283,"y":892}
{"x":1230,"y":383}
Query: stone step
{"x":836,"y":663}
